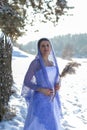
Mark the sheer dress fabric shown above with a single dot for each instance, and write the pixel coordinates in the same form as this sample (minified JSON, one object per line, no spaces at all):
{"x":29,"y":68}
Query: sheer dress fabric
{"x":43,"y":112}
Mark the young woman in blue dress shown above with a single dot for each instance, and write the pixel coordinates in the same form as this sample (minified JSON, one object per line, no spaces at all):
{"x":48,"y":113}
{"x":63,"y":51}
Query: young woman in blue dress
{"x":41,"y":90}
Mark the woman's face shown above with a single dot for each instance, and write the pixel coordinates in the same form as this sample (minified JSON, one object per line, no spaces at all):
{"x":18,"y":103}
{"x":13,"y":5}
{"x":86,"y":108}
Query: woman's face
{"x":45,"y":48}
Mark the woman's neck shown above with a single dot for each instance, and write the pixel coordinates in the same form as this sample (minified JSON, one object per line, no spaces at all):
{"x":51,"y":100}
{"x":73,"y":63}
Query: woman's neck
{"x":47,"y":62}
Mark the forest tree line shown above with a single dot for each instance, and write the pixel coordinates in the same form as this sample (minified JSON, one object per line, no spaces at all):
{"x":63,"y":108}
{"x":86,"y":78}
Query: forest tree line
{"x":65,"y":46}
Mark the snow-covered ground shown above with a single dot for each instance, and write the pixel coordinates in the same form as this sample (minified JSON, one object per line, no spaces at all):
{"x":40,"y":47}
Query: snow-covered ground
{"x":73,"y":94}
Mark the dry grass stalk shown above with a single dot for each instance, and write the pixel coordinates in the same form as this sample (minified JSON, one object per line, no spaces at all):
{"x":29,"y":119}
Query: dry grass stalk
{"x":69,"y":68}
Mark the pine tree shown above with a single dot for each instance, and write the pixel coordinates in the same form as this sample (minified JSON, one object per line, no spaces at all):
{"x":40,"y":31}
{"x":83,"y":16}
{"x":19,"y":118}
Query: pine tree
{"x":6,"y":79}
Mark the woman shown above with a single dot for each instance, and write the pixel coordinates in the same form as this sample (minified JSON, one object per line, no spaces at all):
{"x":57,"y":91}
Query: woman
{"x":40,"y":89}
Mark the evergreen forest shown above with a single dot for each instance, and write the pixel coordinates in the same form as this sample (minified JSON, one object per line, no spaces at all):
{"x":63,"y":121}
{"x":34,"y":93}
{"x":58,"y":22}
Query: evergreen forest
{"x":65,"y":46}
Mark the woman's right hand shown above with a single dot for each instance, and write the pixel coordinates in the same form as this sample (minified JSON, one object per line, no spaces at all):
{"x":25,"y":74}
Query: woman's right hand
{"x":46,"y":91}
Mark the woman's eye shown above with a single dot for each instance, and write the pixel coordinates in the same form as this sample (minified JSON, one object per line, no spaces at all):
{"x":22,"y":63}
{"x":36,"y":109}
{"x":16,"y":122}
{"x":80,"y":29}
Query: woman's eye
{"x":45,"y":45}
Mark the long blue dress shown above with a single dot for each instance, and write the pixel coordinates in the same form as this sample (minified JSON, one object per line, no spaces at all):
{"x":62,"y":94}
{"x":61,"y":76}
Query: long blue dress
{"x":43,"y":112}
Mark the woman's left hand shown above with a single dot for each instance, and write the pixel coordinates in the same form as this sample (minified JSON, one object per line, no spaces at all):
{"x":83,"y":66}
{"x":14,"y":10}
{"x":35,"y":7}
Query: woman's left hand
{"x":57,"y":87}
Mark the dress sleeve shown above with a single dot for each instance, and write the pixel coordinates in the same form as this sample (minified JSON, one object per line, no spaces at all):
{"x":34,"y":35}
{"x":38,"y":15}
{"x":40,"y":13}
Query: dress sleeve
{"x":30,"y":80}
{"x":29,"y":83}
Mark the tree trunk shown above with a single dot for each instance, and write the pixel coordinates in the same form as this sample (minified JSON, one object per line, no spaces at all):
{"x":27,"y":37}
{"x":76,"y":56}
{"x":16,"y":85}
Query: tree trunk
{"x":6,"y":79}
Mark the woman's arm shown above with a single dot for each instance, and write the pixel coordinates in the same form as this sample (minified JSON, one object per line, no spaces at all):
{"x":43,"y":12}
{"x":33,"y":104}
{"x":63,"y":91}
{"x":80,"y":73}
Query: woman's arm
{"x":45,"y":91}
{"x":29,"y":80}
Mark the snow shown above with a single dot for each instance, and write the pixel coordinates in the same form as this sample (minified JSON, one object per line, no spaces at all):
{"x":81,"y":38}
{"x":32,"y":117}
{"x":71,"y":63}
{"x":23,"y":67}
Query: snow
{"x":73,"y":94}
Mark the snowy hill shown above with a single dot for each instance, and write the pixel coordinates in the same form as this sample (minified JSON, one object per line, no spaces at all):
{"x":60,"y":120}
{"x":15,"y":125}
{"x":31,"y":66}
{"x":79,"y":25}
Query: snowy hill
{"x":73,"y":94}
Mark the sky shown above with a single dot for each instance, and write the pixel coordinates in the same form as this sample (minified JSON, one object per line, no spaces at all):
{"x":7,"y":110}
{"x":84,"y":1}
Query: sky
{"x":77,"y":23}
